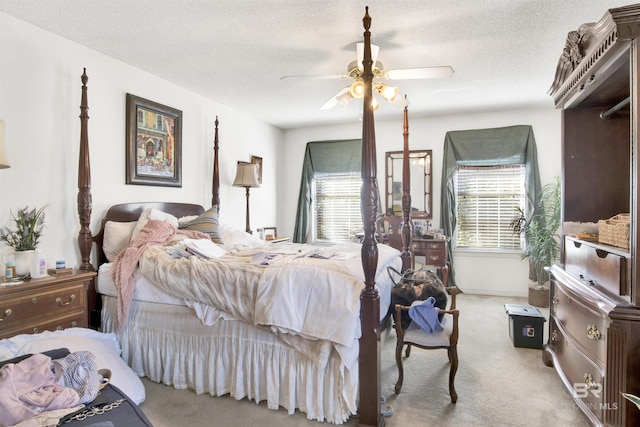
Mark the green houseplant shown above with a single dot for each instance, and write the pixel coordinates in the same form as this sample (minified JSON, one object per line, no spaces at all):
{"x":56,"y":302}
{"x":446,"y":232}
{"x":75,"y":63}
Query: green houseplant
{"x":542,"y":241}
{"x":29,"y":225}
{"x":24,"y":240}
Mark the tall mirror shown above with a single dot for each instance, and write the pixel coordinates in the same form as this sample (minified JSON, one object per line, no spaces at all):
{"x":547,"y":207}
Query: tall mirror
{"x":421,"y":183}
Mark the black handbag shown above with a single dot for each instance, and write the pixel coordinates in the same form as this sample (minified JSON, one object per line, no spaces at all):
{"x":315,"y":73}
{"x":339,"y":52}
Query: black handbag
{"x":415,"y":285}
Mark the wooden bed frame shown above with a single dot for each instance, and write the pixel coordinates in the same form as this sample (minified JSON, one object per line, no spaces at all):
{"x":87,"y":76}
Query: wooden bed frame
{"x":370,"y":343}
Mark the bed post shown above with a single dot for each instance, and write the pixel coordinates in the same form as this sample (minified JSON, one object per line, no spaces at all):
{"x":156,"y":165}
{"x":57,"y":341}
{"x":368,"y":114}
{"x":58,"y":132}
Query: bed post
{"x":85,"y":240}
{"x":407,"y":225}
{"x":215,"y":187}
{"x":369,"y":360}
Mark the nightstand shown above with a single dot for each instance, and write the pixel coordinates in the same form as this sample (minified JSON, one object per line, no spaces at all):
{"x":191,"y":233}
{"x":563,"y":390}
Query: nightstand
{"x":47,"y":304}
{"x":434,"y":252}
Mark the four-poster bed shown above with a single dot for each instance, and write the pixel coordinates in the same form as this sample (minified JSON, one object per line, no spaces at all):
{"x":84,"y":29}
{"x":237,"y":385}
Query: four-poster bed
{"x":163,"y":340}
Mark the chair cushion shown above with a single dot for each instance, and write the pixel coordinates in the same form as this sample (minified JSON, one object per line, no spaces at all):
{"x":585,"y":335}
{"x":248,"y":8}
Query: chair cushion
{"x":414,"y":335}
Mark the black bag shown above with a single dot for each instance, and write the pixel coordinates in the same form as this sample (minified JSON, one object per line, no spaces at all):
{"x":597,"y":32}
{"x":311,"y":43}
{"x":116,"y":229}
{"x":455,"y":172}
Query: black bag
{"x":413,"y":285}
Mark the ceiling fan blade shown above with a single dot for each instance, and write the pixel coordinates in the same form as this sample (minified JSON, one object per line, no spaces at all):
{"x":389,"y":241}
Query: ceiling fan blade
{"x":317,"y":77}
{"x":338,"y":98}
{"x":442,"y":72}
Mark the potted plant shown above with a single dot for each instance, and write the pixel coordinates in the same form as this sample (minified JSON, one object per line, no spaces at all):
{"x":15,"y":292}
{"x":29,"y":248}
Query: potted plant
{"x":24,"y":240}
{"x":542,"y":241}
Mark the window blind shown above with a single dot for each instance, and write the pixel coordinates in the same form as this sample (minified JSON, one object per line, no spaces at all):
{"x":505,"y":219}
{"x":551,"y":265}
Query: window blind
{"x":488,"y":199}
{"x":336,"y":213}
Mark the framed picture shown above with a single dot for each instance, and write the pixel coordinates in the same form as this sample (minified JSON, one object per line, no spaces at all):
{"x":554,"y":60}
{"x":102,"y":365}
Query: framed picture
{"x":270,"y":233}
{"x":154,"y":143}
{"x":258,"y":162}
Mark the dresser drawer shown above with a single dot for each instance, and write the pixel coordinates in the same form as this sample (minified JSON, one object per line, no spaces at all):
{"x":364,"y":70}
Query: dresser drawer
{"x":44,"y":304}
{"x":597,"y":264}
{"x":433,"y":250}
{"x":608,"y":270}
{"x":583,"y":321}
{"x":582,"y":376}
{"x":77,"y":319}
{"x":575,"y":257}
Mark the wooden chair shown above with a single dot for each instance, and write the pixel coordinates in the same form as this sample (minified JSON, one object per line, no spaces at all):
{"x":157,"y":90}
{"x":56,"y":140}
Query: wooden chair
{"x":445,"y":339}
{"x":389,"y":232}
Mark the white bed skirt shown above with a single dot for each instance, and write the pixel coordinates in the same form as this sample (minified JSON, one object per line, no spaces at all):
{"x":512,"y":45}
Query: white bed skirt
{"x":169,"y":344}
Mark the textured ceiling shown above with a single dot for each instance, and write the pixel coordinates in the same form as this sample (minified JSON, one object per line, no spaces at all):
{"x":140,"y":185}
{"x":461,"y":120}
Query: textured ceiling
{"x":504,"y":52}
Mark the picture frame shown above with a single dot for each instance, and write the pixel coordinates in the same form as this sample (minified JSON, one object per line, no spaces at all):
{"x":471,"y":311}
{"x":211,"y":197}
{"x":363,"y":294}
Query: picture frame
{"x":258,"y":162}
{"x":270,"y":233}
{"x":154,"y":143}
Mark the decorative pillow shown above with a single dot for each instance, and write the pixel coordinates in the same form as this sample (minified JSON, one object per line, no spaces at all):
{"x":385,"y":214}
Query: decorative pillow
{"x":208,"y":223}
{"x":117,"y":236}
{"x":103,"y":346}
{"x":151,"y":213}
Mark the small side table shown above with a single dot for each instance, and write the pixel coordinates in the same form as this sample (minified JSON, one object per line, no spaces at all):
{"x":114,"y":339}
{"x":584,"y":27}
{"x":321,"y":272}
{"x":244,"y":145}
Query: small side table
{"x":47,"y":304}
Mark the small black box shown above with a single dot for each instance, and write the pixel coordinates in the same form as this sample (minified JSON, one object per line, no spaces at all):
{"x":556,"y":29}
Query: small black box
{"x":526,"y":325}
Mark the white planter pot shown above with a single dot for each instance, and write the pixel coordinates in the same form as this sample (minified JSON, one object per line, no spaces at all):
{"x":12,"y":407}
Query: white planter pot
{"x":23,"y":262}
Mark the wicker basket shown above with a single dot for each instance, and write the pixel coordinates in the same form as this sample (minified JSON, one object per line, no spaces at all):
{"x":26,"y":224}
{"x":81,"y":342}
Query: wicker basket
{"x":615,"y":231}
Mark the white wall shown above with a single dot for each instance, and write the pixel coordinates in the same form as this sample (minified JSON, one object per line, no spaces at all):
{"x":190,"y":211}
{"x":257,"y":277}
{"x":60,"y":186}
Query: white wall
{"x":40,"y":91}
{"x":488,"y":273}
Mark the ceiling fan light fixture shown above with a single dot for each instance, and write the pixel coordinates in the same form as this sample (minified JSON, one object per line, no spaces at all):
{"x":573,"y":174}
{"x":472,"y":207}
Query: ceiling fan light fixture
{"x":356,"y":89}
{"x":387,"y":92}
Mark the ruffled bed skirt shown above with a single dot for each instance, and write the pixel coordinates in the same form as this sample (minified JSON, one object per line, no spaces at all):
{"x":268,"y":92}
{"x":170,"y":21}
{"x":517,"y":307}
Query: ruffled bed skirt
{"x":169,"y":344}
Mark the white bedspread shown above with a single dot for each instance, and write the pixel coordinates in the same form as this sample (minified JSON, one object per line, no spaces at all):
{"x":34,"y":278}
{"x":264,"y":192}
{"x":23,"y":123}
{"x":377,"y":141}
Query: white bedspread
{"x":296,"y":297}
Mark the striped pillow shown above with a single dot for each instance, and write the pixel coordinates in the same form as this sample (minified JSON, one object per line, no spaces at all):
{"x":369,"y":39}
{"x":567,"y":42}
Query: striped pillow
{"x":208,"y":223}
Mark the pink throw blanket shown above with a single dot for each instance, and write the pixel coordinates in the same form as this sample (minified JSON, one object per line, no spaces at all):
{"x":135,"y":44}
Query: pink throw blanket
{"x":126,"y":262}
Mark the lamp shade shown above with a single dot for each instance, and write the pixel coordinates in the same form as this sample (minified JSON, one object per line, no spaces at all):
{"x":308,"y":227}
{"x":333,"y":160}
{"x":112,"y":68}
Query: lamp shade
{"x":246,"y":175}
{"x":387,"y":92}
{"x":3,"y":161}
{"x":357,"y":89}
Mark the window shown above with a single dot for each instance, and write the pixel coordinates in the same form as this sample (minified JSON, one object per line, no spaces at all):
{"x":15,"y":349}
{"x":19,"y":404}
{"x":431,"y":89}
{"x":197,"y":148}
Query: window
{"x":488,"y":199}
{"x":336,"y":209}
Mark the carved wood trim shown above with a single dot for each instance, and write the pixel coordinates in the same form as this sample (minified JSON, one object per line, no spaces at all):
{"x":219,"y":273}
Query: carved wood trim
{"x":614,"y":403}
{"x":369,"y":357}
{"x":215,"y":187}
{"x":407,"y":224}
{"x":586,"y":47}
{"x":85,"y":240}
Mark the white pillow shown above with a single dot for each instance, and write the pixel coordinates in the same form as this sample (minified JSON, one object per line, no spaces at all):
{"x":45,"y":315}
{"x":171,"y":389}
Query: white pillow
{"x":233,"y":236}
{"x":117,"y":236}
{"x":104,"y":347}
{"x":186,"y":219}
{"x":151,"y":213}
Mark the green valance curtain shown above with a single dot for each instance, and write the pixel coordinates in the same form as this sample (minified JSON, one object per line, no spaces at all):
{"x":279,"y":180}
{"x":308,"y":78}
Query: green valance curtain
{"x":323,"y":157}
{"x":486,"y":147}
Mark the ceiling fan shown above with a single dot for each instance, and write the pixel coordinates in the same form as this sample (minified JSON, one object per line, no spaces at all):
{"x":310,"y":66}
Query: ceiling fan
{"x":356,"y":88}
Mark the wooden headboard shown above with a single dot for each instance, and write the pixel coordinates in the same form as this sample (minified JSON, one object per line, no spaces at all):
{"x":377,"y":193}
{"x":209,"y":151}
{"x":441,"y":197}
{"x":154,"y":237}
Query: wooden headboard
{"x":129,"y":212}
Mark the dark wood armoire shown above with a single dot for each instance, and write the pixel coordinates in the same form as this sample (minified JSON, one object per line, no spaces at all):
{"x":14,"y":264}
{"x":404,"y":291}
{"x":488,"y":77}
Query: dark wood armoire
{"x":594,"y":327}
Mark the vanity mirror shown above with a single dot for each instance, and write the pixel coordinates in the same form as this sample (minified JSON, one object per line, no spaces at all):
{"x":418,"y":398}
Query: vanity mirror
{"x":420,"y":175}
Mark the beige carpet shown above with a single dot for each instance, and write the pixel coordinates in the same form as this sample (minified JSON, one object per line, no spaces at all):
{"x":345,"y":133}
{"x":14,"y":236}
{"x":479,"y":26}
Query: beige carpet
{"x":497,"y":383}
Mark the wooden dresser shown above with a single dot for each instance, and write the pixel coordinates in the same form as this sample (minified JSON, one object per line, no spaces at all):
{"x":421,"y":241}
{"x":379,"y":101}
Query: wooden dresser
{"x":45,"y":304}
{"x":594,"y":327}
{"x":435,"y":254}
